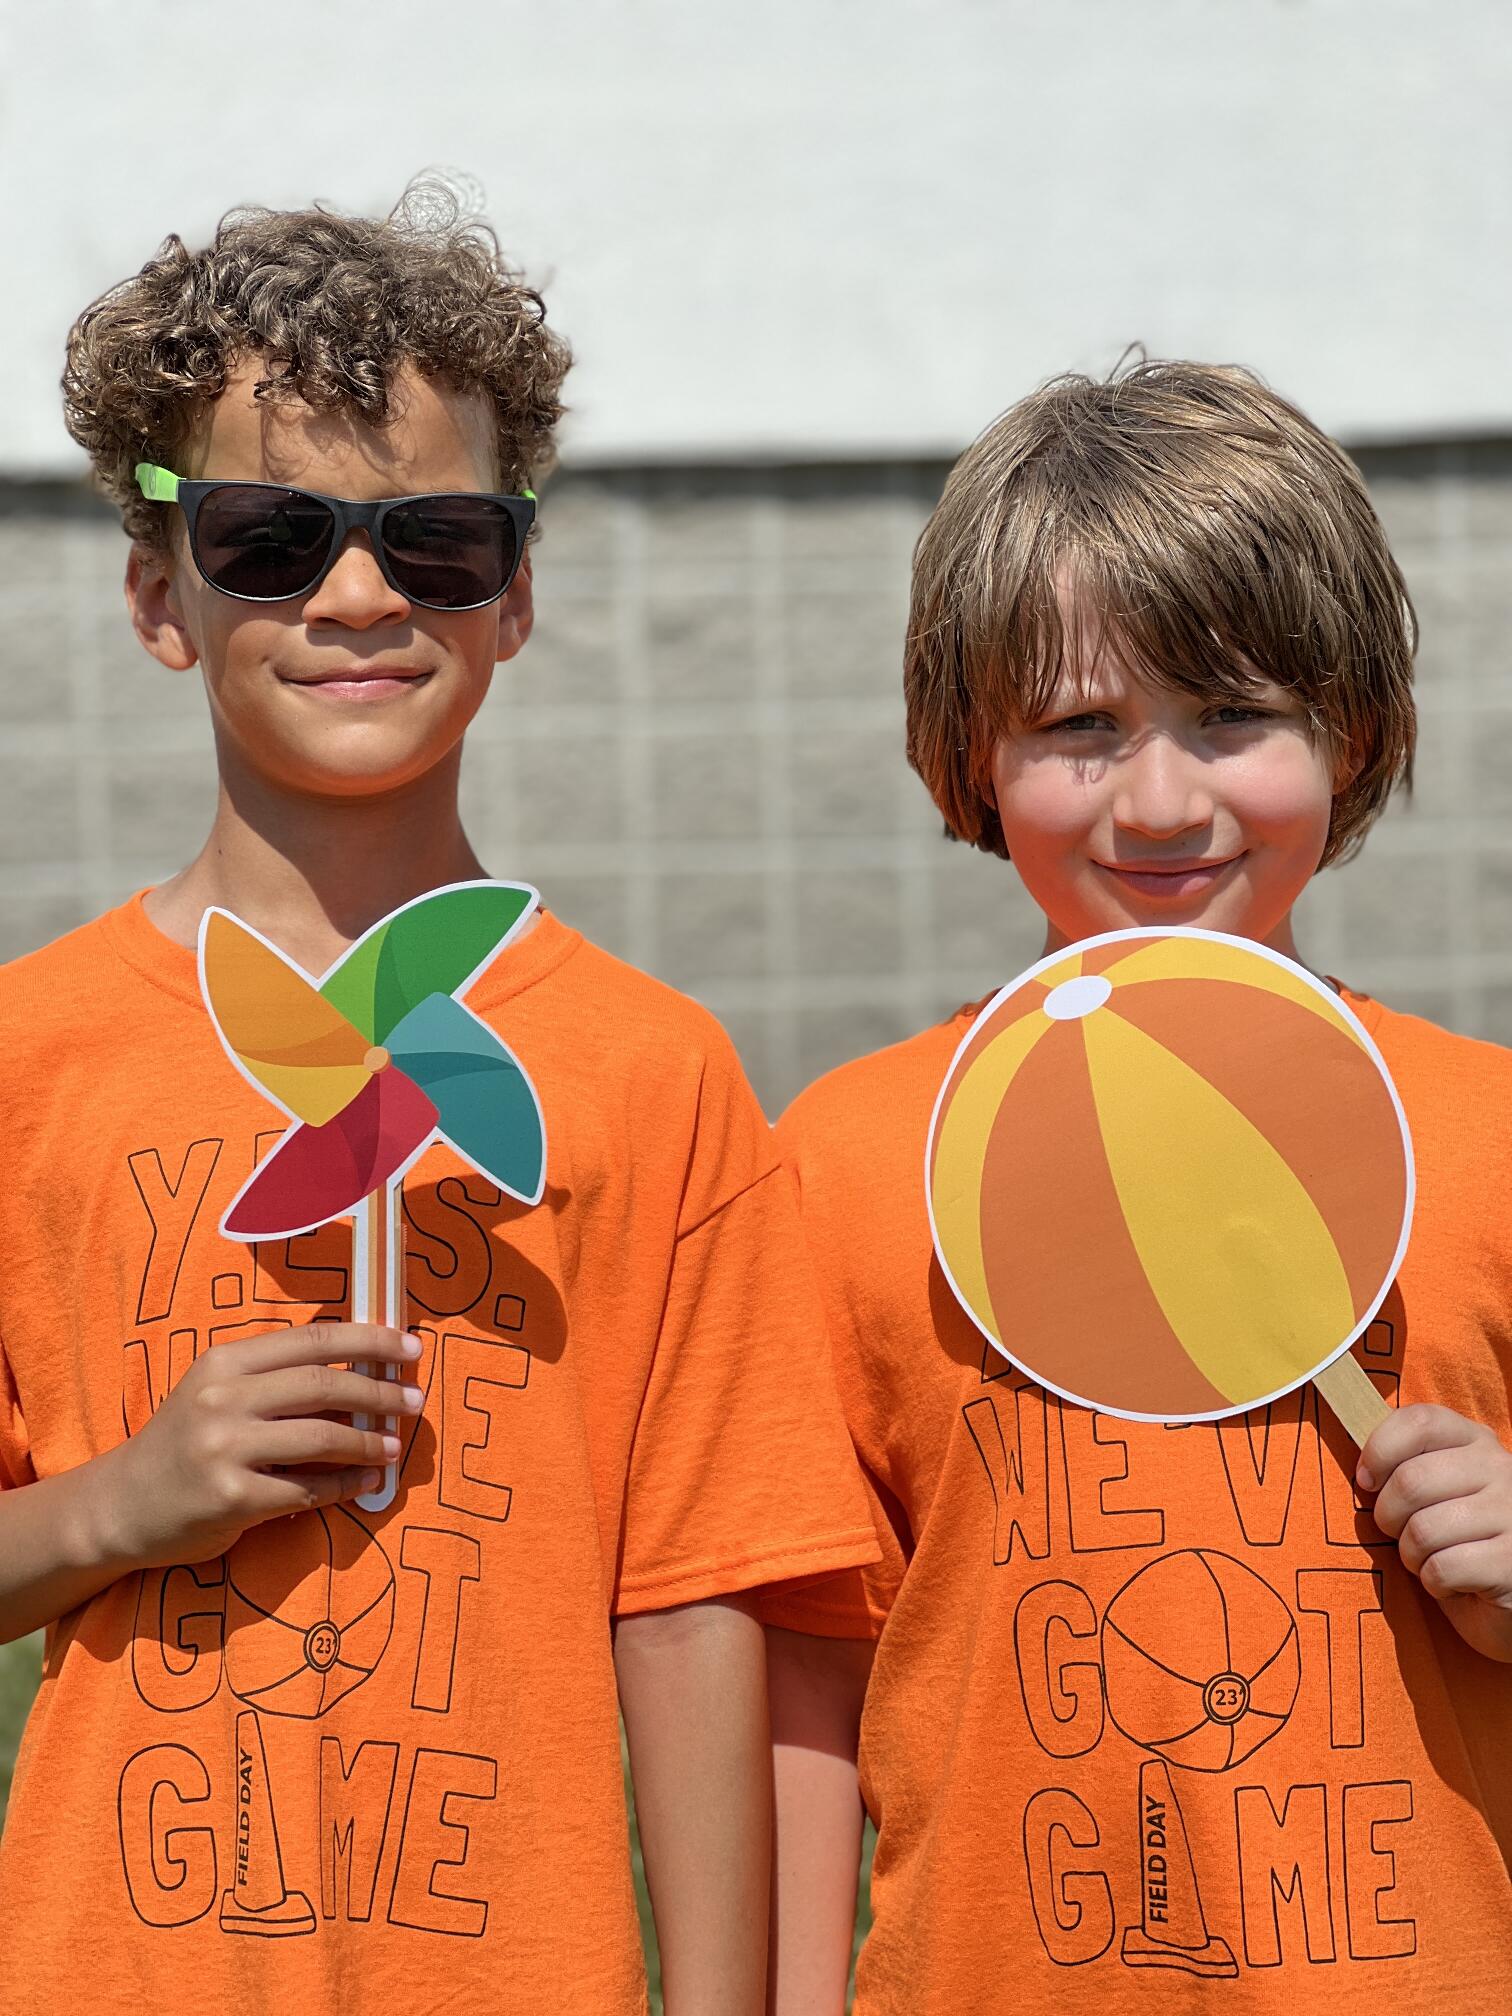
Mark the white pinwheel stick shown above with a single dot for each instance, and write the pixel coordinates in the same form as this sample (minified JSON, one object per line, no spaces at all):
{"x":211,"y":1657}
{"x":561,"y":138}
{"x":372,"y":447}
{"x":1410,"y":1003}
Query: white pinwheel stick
{"x":378,"y":1297}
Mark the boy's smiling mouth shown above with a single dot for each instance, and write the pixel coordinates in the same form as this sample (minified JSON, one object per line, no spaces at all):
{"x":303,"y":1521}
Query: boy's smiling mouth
{"x":361,"y":682}
{"x":1170,"y":881}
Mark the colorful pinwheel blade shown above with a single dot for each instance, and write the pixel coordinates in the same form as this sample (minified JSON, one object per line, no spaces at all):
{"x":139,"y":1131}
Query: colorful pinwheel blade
{"x":434,"y":945}
{"x":316,"y":1173}
{"x":487,"y":1106}
{"x":302,"y":1051}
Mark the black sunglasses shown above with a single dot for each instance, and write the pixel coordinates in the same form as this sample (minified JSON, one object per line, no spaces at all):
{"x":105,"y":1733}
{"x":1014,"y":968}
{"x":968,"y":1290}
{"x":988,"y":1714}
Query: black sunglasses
{"x":263,"y":543}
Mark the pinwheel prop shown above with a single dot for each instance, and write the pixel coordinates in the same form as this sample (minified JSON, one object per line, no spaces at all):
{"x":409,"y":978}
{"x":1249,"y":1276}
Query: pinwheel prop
{"x":372,"y":1064}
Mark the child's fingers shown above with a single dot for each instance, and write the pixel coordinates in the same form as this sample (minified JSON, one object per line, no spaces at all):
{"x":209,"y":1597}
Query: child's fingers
{"x":304,"y":1490}
{"x":325,"y":1389}
{"x":1478,"y":1568}
{"x":285,"y":1446}
{"x":1422,"y":1481}
{"x":1453,"y":1524}
{"x":1412,"y":1431}
{"x":323,"y":1344}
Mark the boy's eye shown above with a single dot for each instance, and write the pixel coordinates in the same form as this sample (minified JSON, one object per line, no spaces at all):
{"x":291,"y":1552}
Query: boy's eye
{"x":1077,"y":724}
{"x":414,"y":531}
{"x":410,"y":531}
{"x":274,"y":530}
{"x":1238,"y":714}
{"x":277,"y":531}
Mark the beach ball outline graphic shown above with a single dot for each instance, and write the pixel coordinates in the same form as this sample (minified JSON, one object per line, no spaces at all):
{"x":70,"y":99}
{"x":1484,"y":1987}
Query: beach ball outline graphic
{"x":1147,"y":1132}
{"x":1201,"y":1660}
{"x":309,"y":1612}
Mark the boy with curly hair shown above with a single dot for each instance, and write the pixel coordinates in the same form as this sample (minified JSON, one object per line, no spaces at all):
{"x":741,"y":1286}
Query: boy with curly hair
{"x":1159,"y":656}
{"x":289,"y":1750}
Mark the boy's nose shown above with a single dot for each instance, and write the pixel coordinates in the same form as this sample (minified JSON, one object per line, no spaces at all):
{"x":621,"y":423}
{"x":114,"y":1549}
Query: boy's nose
{"x":1162,"y":790}
{"x":355,"y":593}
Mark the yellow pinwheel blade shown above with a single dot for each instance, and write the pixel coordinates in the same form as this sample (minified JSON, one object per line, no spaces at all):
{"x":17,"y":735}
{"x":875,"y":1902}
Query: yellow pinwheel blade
{"x":284,"y":1034}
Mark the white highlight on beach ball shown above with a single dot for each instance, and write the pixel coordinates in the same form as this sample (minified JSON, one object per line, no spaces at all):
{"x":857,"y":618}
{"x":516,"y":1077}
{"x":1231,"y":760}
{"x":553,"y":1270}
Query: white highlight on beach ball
{"x":1075,"y":998}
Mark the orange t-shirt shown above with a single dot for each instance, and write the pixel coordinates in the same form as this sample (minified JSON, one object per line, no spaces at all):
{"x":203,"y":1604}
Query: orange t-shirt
{"x":372,"y":1761}
{"x":1153,"y":1707}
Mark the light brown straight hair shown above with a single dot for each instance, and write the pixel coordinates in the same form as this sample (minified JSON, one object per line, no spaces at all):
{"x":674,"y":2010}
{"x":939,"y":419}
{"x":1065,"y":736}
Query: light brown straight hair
{"x":1201,"y":525}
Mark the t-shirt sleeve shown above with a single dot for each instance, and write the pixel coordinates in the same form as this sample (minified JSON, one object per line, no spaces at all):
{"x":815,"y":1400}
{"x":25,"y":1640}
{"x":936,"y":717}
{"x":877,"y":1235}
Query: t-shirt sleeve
{"x":741,"y":1472}
{"x":15,"y":1446}
{"x":854,"y":1603}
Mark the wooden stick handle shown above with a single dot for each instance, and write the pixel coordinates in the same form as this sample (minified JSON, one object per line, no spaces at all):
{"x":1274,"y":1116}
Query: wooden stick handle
{"x":378,"y":1297}
{"x":1351,"y":1393}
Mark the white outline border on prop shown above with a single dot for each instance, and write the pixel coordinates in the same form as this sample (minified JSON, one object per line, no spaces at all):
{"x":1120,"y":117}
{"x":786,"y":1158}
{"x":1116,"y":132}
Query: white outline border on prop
{"x":1339,"y":1006}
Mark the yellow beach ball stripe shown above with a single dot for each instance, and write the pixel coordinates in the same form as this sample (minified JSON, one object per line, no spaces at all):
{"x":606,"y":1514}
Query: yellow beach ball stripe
{"x":1255,"y":1293}
{"x":1201,"y":959}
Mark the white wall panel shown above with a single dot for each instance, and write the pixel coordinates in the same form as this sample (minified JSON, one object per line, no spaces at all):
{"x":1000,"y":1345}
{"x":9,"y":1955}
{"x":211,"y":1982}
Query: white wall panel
{"x":824,"y":227}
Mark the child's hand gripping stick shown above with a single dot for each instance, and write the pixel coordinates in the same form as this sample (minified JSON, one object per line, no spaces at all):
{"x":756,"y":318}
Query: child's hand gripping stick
{"x":372,"y":1064}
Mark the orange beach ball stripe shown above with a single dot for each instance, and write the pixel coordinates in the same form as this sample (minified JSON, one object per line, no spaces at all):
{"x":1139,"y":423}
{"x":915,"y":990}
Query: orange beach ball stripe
{"x":1177,"y":1189}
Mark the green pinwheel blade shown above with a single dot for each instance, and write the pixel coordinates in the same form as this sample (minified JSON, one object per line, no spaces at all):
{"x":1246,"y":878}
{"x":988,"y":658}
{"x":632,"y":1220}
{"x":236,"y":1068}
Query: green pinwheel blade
{"x":432,"y":946}
{"x":487,"y":1107}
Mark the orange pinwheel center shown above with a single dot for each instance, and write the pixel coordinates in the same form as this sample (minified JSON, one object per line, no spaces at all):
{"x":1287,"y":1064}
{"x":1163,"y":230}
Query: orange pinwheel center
{"x":377,"y":1059}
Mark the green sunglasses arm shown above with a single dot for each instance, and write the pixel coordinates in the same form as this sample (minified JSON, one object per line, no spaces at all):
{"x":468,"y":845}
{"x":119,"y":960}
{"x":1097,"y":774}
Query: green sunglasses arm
{"x":160,"y":485}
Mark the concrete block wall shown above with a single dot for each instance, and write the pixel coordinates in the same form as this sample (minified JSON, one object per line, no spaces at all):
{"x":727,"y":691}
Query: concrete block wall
{"x":699,"y":755}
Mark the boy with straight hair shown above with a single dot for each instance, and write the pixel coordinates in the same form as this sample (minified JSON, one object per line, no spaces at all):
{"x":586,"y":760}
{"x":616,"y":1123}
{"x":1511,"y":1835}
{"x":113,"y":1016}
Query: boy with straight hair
{"x":1159,"y":656}
{"x":289,"y":1751}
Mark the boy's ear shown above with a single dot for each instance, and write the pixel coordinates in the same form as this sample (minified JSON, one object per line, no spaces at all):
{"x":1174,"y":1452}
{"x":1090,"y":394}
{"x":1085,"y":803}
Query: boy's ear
{"x":152,"y":603}
{"x":516,"y":614}
{"x":1348,"y":763}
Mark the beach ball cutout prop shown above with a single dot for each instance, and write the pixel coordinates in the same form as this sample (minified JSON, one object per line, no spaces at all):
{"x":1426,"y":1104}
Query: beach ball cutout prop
{"x":377,"y":1059}
{"x":1200,"y":1660}
{"x":1168,"y":1174}
{"x":309,"y":1610}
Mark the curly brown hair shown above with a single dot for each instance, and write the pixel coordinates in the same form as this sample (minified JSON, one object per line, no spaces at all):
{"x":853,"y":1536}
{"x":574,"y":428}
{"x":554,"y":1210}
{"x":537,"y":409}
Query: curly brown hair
{"x":1211,"y":530}
{"x":331,"y":307}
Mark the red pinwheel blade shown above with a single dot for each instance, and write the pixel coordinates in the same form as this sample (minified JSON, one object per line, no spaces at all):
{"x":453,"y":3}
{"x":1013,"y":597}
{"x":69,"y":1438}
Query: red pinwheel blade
{"x":317,"y":1173}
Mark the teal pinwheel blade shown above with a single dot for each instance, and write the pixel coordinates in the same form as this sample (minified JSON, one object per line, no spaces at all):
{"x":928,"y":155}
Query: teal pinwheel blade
{"x":433,"y":945}
{"x":487,"y":1107}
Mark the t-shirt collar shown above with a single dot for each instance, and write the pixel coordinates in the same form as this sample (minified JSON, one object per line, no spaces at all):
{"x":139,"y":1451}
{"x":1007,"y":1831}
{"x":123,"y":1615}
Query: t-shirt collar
{"x":174,"y":968}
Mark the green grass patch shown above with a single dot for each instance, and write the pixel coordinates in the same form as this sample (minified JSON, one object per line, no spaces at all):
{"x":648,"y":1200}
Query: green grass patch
{"x":20,"y":1670}
{"x":863,"y":1902}
{"x":642,"y":1896}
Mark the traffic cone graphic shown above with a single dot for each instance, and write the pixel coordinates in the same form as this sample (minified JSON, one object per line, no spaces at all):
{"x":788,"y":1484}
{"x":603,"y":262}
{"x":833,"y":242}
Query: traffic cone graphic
{"x":258,"y":1901}
{"x":1172,"y":1931}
